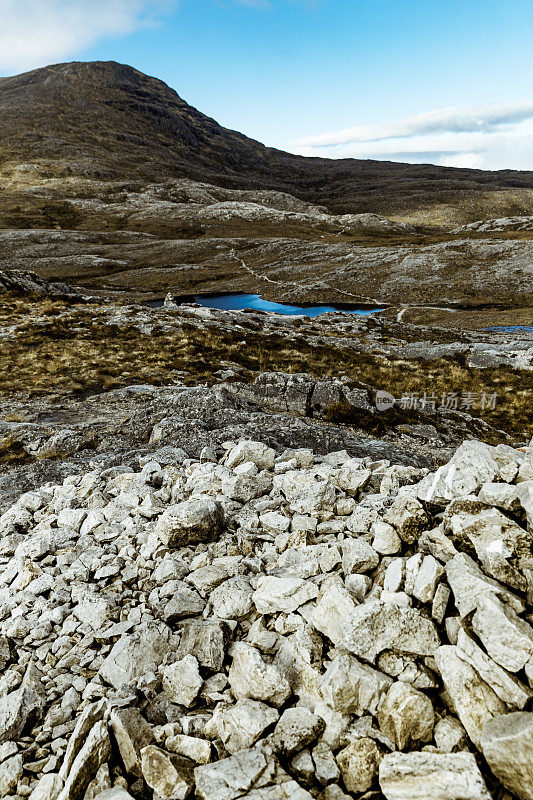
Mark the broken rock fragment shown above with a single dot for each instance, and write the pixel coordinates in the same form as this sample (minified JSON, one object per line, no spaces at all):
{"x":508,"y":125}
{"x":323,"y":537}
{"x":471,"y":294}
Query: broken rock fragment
{"x":507,"y":744}
{"x":251,"y":676}
{"x":431,"y":776}
{"x":192,"y":521}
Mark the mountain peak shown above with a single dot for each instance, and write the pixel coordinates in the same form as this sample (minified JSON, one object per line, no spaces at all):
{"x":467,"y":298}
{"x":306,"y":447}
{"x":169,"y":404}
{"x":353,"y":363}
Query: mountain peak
{"x":106,"y":119}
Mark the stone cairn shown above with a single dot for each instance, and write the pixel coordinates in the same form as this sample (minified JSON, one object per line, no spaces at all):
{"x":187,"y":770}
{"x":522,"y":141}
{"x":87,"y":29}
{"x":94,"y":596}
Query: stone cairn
{"x":267,"y":626}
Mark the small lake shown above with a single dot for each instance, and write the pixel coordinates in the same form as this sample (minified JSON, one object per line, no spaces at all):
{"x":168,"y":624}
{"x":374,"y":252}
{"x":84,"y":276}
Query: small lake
{"x":238,"y":302}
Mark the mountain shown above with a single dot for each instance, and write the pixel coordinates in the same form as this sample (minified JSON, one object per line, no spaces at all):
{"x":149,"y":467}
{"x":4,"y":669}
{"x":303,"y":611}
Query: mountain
{"x":103,"y":120}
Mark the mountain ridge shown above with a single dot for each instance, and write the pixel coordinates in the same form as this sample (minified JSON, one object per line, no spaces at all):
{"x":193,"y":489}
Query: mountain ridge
{"x":105,"y":120}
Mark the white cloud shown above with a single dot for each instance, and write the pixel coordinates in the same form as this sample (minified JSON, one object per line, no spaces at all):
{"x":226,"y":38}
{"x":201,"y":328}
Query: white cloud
{"x":498,"y":136}
{"x":38,"y":32}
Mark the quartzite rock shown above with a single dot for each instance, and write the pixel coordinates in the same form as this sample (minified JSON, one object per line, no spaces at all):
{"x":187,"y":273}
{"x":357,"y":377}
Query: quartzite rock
{"x":192,"y":521}
{"x":431,"y":776}
{"x":507,"y":744}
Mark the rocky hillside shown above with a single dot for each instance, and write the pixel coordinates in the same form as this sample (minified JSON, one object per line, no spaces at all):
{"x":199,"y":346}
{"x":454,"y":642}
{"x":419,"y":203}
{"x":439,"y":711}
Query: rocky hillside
{"x":103,"y":120}
{"x":263,"y":625}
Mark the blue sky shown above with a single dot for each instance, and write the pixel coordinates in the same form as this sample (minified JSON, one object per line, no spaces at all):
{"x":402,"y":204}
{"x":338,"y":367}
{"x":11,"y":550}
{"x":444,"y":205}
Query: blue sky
{"x":445,"y":81}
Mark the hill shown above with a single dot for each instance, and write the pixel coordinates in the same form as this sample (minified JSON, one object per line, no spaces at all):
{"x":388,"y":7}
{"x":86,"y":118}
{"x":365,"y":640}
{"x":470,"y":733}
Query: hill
{"x":103,"y":120}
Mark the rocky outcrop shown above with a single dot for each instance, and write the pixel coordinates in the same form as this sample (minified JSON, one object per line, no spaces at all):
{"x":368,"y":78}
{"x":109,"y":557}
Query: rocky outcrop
{"x":25,"y":283}
{"x":325,"y":632}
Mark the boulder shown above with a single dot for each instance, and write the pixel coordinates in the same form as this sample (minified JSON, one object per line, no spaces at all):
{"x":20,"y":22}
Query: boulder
{"x":196,"y":520}
{"x":507,"y":744}
{"x":431,"y":776}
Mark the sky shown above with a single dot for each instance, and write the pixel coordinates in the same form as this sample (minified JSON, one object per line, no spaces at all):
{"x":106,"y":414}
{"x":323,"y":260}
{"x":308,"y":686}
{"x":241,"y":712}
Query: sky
{"x":446,"y":82}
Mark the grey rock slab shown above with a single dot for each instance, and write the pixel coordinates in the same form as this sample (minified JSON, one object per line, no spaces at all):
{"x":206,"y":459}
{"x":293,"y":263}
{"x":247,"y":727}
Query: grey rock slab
{"x":508,"y":688}
{"x":185,"y":602}
{"x":406,"y":716}
{"x":285,"y":594}
{"x":431,"y":776}
{"x":507,"y":638}
{"x":241,"y":725}
{"x":251,"y":676}
{"x":507,"y":744}
{"x":137,"y":653}
{"x":469,"y":585}
{"x":473,"y":700}
{"x":165,"y":777}
{"x":206,"y":640}
{"x":95,"y":751}
{"x":25,"y":705}
{"x":192,"y":521}
{"x":375,"y":626}
{"x":86,"y":721}
{"x":351,"y":687}
{"x":131,"y":732}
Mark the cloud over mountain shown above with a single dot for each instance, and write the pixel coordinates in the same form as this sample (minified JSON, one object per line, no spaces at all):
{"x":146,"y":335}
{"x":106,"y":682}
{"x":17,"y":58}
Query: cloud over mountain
{"x":491,"y":136}
{"x":36,"y":32}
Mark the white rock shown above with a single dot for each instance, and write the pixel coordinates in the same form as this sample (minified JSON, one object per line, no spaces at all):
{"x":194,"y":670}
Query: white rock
{"x":163,"y":776}
{"x":257,"y":452}
{"x":137,"y":653}
{"x":250,"y":676}
{"x":409,"y":518}
{"x":198,"y":750}
{"x":195,"y":520}
{"x":450,"y":735}
{"x":406,"y":716}
{"x":358,"y":556}
{"x":240,"y":726}
{"x":507,"y":638}
{"x":507,"y":744}
{"x":507,"y":687}
{"x":431,"y":776}
{"x":297,"y":728}
{"x":375,"y":626}
{"x":182,"y":681}
{"x":351,"y":687}
{"x":359,"y":764}
{"x":427,"y":579}
{"x":232,"y":599}
{"x":472,"y":465}
{"x":473,"y":700}
{"x":10,"y":773}
{"x":282,"y":594}
{"x":385,"y":539}
{"x":331,"y":612}
{"x":469,"y":585}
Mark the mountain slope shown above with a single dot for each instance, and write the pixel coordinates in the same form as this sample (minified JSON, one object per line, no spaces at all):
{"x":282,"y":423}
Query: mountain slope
{"x":109,"y":121}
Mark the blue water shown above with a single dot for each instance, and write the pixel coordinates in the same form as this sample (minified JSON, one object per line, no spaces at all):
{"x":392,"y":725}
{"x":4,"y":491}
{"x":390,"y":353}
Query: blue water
{"x":236,"y":302}
{"x":510,"y":328}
